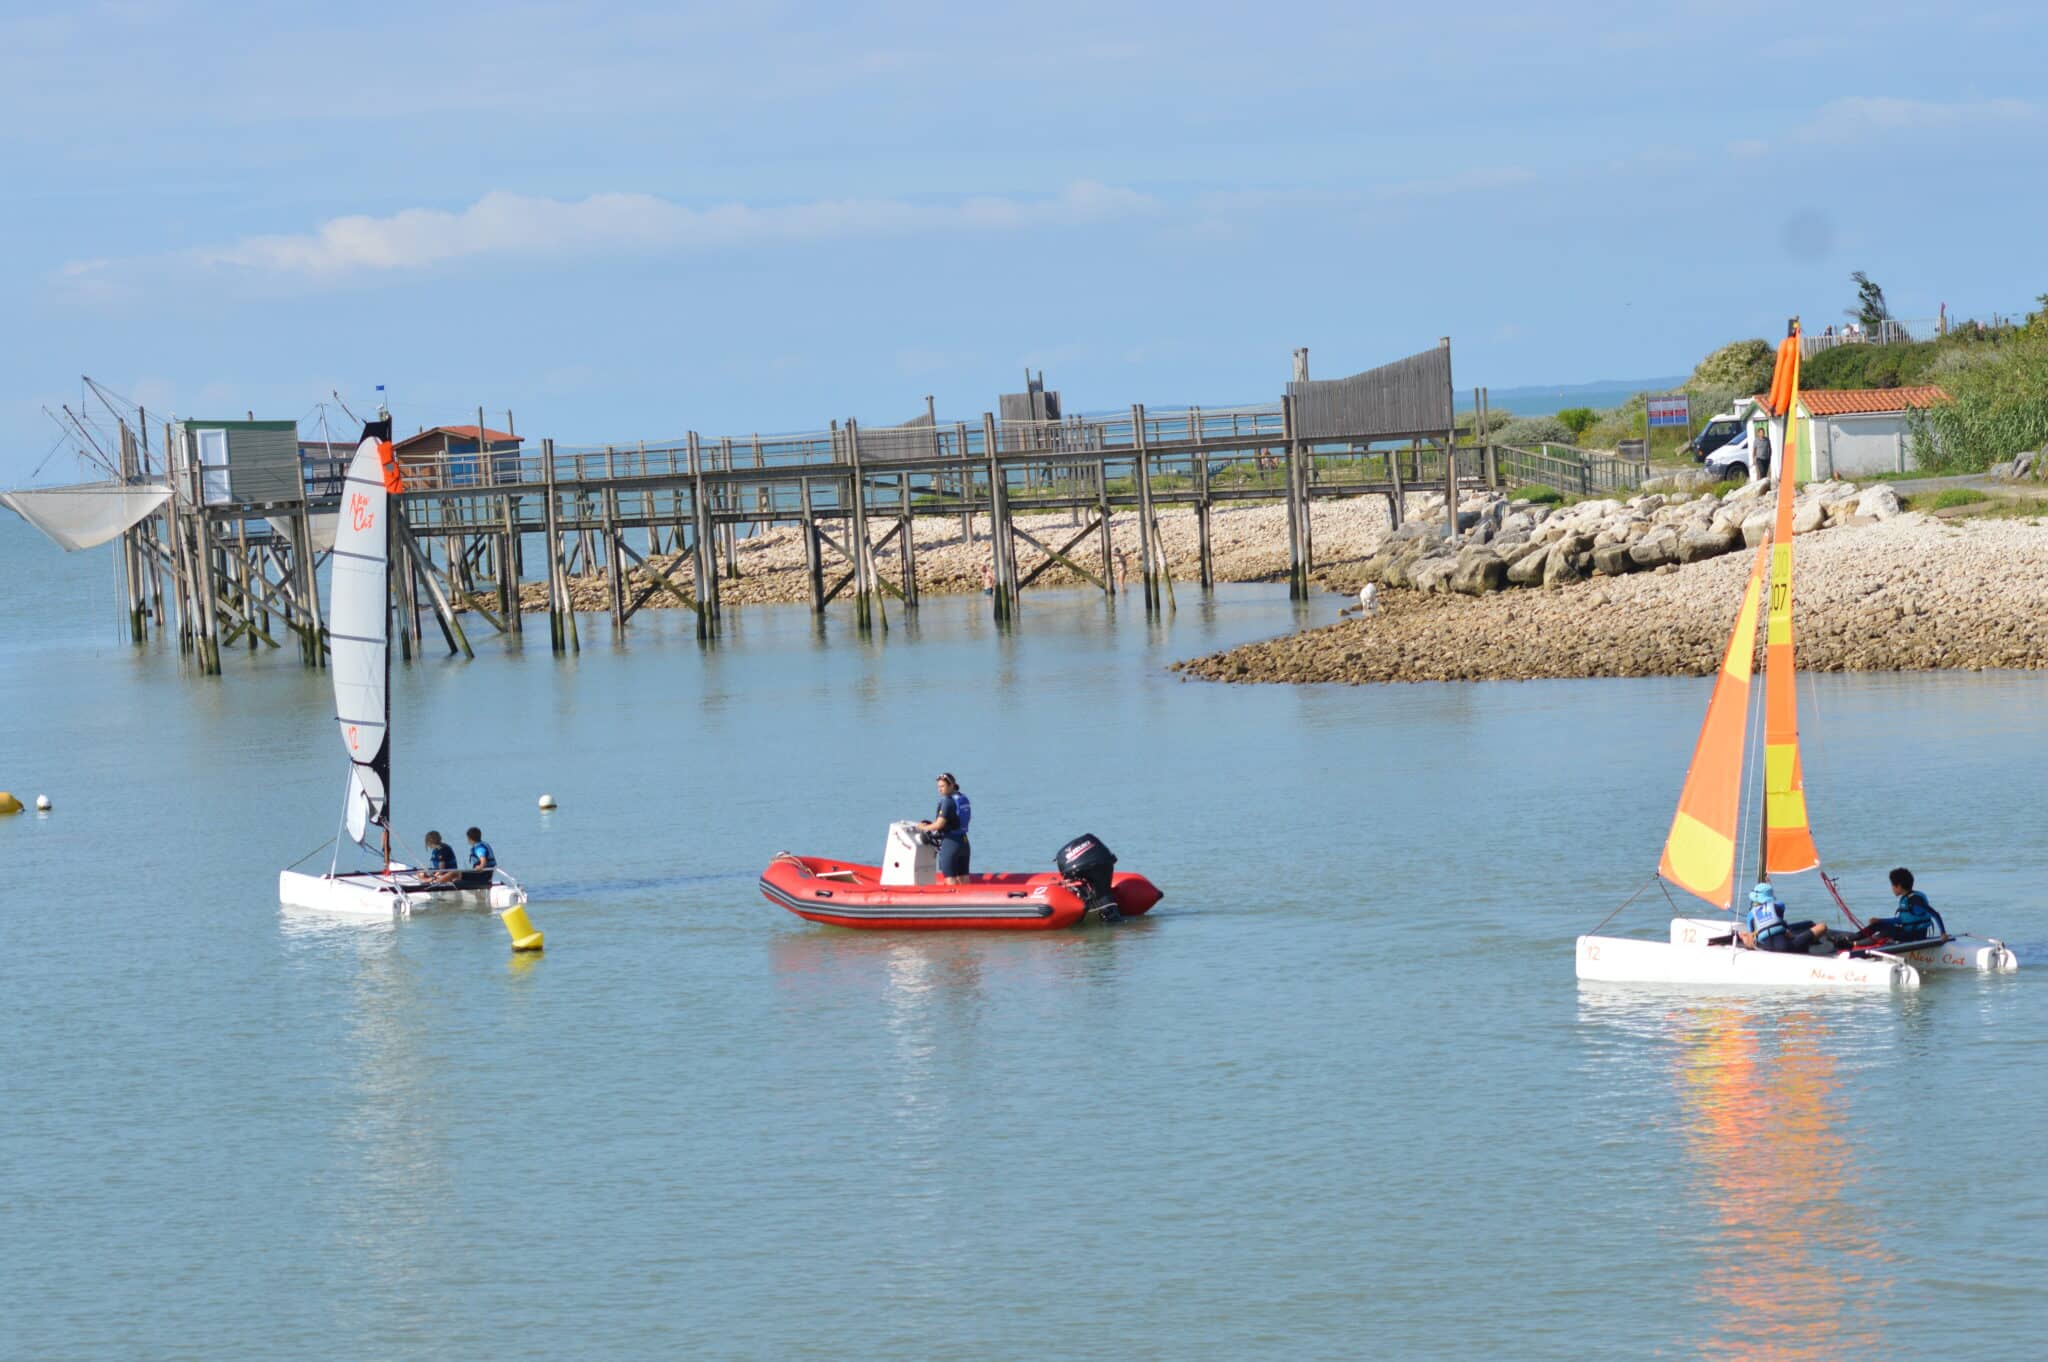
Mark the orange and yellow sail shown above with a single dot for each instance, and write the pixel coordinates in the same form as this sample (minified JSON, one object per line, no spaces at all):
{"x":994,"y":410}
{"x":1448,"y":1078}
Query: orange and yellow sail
{"x":1788,"y":839}
{"x":1699,"y":854}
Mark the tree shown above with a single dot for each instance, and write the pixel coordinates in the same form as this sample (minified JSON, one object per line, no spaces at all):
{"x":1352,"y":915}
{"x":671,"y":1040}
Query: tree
{"x":1870,"y":309}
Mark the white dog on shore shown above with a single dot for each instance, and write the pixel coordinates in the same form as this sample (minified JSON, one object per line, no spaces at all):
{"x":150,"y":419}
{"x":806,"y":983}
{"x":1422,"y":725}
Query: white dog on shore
{"x":1368,"y":601}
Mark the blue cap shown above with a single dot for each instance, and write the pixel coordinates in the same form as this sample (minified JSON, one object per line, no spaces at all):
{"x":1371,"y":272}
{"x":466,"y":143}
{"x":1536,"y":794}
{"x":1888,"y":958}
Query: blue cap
{"x":1763,"y":893}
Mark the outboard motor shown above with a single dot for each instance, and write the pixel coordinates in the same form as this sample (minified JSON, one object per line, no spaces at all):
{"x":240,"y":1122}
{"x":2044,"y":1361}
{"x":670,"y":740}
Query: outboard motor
{"x":1087,"y":865}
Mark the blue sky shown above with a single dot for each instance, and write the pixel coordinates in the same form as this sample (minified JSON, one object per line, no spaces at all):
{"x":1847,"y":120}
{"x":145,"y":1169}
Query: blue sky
{"x":626,"y":222}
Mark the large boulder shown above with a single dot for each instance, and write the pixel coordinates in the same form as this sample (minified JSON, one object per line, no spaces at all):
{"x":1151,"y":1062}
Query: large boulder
{"x":1525,"y":568}
{"x":1612,"y":560}
{"x":1655,"y":549}
{"x":1708,"y":541}
{"x":1881,"y":501}
{"x":1432,"y":574}
{"x":1808,"y":517}
{"x":1477,"y":571}
{"x":1567,"y":560}
{"x":1756,"y":528}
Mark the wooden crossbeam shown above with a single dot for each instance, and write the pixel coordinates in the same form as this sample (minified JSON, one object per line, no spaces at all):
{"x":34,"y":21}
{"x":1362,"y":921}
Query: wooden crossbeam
{"x":1058,"y":555}
{"x":661,"y":580}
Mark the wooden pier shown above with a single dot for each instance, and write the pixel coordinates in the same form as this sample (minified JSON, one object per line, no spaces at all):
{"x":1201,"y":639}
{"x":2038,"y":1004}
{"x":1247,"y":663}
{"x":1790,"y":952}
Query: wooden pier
{"x":232,"y":571}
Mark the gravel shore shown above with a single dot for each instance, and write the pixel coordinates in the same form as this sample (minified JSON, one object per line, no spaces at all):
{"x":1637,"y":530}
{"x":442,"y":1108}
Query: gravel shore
{"x":1247,"y":544}
{"x":1908,"y":594}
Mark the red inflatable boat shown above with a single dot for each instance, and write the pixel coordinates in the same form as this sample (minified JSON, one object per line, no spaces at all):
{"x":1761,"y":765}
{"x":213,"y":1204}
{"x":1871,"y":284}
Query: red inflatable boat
{"x":904,"y":893}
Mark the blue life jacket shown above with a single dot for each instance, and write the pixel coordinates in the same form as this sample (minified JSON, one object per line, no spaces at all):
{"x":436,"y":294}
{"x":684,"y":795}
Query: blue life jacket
{"x":964,"y":809}
{"x":441,"y":857}
{"x":1916,"y":914}
{"x":481,"y":857}
{"x":1766,"y":920}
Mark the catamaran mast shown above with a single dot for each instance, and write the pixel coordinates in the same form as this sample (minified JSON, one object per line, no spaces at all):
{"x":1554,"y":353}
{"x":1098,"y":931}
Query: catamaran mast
{"x":384,"y":420}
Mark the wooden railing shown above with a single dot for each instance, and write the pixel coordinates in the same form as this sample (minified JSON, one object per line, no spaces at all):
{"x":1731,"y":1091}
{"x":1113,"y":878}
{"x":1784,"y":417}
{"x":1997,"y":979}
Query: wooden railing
{"x":1576,"y":472}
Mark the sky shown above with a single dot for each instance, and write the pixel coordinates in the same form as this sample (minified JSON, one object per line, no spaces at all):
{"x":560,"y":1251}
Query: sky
{"x":622,"y":222}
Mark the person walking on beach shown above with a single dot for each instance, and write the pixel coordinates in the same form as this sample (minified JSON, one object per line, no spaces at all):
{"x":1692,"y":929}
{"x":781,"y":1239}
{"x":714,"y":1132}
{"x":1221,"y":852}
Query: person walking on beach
{"x":440,"y":860}
{"x":482,"y":861}
{"x":949,"y":825}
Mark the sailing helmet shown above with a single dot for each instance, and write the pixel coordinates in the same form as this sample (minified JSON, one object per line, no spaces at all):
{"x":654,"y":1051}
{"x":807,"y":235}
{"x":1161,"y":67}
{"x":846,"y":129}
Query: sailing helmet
{"x":1763,"y":893}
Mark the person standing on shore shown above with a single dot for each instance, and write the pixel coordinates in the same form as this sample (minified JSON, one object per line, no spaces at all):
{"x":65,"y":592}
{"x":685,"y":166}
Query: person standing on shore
{"x":1123,"y":570}
{"x":988,"y":579}
{"x":949,"y":825}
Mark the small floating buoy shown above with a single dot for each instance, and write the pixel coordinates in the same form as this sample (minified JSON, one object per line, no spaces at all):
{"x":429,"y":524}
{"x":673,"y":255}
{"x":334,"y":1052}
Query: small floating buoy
{"x":8,"y":803}
{"x":42,"y":803}
{"x":547,"y":801}
{"x":521,"y":929}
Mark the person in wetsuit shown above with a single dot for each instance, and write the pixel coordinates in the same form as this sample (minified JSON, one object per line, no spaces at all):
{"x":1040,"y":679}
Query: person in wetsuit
{"x":440,"y":861}
{"x":482,"y":861}
{"x":1914,"y":920}
{"x":949,"y":825}
{"x":1768,"y":930}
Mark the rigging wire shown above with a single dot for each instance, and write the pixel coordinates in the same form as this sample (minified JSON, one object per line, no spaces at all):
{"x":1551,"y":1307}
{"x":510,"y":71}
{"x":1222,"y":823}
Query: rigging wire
{"x":1627,"y":901}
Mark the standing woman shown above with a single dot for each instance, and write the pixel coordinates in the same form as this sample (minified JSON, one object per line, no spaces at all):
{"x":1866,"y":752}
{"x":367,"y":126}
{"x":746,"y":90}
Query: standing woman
{"x":949,"y":823}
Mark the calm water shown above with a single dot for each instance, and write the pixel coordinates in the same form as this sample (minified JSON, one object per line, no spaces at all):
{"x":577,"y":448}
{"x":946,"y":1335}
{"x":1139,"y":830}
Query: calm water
{"x":1340,"y":1095}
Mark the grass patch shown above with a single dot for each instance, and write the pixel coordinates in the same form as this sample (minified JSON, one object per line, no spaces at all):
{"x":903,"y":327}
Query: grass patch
{"x":1949,"y":497}
{"x":1536,"y":491}
{"x":2010,"y":508}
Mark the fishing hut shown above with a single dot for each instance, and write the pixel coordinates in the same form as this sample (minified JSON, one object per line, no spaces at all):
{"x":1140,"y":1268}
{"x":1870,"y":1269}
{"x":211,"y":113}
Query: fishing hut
{"x":243,"y":512}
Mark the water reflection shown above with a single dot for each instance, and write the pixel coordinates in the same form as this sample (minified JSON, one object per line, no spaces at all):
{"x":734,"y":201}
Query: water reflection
{"x":1789,"y":1259}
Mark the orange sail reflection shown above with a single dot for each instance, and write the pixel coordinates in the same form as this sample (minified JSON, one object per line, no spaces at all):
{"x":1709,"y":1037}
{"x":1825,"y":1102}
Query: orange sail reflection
{"x":1762,"y":1136}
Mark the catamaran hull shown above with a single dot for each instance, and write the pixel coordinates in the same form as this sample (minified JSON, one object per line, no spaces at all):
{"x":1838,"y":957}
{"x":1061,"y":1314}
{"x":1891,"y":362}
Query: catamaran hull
{"x":380,"y":896}
{"x":1959,"y":955}
{"x":1626,"y":960}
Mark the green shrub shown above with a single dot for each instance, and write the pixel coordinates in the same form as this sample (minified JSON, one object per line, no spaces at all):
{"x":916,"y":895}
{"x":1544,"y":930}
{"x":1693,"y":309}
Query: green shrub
{"x":1535,"y":491}
{"x":1529,"y":431}
{"x":1873,"y":366}
{"x":1578,"y":419}
{"x":1956,"y":496}
{"x":2000,"y":409}
{"x":1744,"y":366}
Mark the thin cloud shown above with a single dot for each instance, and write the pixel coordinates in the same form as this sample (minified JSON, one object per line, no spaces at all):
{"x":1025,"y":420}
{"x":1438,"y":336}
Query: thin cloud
{"x":504,"y":225}
{"x":1857,"y":116}
{"x":1464,"y":182}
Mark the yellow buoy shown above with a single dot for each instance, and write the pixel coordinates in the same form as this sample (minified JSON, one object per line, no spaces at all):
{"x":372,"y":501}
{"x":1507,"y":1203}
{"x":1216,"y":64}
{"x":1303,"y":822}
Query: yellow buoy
{"x":525,"y":937}
{"x":8,"y":803}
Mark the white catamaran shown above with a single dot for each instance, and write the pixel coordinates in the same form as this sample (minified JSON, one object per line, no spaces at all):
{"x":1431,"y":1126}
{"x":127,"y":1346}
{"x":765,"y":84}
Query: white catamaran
{"x":1700,"y":853}
{"x":359,"y":633}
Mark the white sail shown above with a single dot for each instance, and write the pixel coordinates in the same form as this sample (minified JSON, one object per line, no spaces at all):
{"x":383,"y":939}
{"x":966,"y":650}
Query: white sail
{"x":358,"y":630}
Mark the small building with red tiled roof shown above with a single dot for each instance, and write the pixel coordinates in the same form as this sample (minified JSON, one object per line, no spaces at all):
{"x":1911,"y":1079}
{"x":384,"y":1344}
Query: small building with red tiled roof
{"x":1854,"y":432}
{"x":446,"y":456}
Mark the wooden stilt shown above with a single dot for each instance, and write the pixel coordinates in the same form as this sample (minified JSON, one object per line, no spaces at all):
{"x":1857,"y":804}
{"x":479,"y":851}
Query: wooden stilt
{"x":1108,"y":539}
{"x":998,"y":517}
{"x":1142,"y":467}
{"x":1205,"y":568}
{"x":907,"y":546}
{"x":1297,"y":572}
{"x":813,"y":568}
{"x":857,"y":531}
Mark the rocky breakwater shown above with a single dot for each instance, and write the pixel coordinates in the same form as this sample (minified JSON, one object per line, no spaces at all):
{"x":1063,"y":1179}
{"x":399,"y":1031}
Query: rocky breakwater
{"x":1878,"y":591}
{"x":1504,"y":544}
